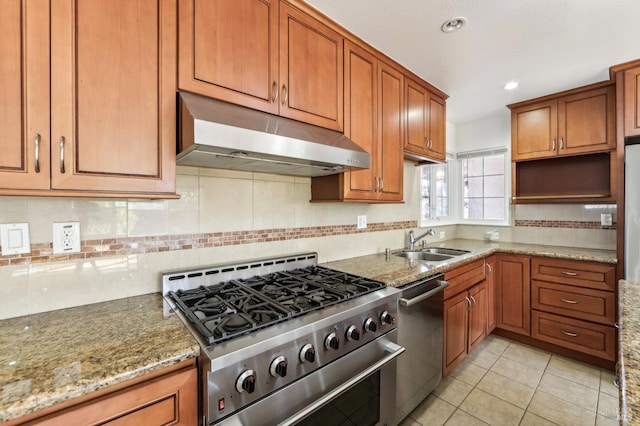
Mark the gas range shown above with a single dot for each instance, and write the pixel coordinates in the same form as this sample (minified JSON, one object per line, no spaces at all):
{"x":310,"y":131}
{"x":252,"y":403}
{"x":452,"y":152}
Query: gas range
{"x":268,"y":325}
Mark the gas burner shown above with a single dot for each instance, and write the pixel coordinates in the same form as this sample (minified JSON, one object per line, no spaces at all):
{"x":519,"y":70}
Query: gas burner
{"x":212,"y":306}
{"x":348,"y":288}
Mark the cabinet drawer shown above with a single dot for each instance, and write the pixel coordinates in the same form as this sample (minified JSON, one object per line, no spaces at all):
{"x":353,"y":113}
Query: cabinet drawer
{"x":464,"y":277}
{"x":583,"y":274}
{"x":593,"y":339}
{"x":575,"y":302}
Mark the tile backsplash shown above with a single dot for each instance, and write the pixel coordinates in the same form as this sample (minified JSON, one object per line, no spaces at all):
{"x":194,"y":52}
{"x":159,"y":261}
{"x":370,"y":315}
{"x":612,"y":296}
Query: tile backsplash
{"x":225,"y":216}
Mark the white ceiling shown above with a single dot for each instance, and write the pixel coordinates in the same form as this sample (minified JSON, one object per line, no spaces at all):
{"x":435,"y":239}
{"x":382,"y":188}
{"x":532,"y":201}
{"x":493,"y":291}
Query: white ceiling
{"x":546,"y":45}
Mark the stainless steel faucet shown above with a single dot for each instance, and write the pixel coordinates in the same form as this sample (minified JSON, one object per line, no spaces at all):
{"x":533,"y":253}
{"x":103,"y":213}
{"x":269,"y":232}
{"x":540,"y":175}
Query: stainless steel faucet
{"x":413,"y":240}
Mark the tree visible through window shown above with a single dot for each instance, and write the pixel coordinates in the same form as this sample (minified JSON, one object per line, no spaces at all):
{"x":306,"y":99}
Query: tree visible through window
{"x":484,"y":187}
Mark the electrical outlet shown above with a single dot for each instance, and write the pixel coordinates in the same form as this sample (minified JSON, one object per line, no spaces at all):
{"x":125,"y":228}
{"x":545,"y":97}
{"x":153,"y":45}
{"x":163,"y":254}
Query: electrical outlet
{"x":605,"y":219}
{"x":66,"y":237}
{"x":361,"y":221}
{"x":442,"y":235}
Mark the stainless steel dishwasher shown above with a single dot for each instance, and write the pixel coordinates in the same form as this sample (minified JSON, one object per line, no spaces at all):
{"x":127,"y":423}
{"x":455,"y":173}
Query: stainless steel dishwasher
{"x":421,"y":332}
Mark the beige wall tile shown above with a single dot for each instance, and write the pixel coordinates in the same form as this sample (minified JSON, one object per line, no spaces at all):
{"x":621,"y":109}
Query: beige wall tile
{"x":147,"y":218}
{"x":14,"y":291}
{"x":225,"y":204}
{"x":273,"y":204}
{"x":182,"y":214}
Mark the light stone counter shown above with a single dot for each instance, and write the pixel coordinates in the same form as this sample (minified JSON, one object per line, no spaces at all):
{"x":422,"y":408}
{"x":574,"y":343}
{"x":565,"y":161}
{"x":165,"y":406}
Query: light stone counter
{"x":49,"y":358}
{"x":396,"y":271}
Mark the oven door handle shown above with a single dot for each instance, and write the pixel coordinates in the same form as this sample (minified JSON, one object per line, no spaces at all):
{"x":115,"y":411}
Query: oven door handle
{"x":394,"y":351}
{"x":408,"y":302}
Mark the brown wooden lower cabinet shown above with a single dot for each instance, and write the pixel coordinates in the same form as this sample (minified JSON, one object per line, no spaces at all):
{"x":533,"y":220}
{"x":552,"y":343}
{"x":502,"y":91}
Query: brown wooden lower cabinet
{"x":512,"y":293}
{"x":169,"y":399}
{"x":465,"y":324}
{"x":586,"y":337}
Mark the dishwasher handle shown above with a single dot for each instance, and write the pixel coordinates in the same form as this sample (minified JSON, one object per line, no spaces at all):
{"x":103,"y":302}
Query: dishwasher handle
{"x":442,"y":284}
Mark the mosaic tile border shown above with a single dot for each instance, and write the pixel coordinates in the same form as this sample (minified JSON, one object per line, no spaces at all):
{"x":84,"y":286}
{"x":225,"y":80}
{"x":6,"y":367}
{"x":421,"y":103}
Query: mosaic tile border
{"x":573,"y":224}
{"x":134,"y":245}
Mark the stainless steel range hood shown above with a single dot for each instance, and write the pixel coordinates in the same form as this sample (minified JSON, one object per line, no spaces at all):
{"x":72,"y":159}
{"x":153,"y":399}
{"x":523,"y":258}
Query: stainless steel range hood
{"x":221,"y":135}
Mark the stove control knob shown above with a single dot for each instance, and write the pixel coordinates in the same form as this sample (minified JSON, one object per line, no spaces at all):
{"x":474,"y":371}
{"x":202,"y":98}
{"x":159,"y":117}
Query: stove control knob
{"x":352,"y":333}
{"x":370,"y":325}
{"x":386,"y":318}
{"x":246,"y":381}
{"x":278,"y":367}
{"x":332,"y":341}
{"x":307,"y":353}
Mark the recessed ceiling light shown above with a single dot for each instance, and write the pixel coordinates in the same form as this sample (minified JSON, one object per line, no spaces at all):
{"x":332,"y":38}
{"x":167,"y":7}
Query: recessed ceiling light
{"x":511,"y":85}
{"x":454,"y":24}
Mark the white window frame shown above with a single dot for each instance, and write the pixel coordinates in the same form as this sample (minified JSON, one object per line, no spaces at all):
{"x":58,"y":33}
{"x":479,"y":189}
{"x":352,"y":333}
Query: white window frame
{"x":507,"y":186}
{"x":452,"y":183}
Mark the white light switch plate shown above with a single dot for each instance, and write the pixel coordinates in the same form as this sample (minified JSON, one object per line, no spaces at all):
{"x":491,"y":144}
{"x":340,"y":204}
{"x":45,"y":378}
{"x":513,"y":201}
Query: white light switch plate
{"x":361,"y":221}
{"x":605,"y":219}
{"x":14,"y":238}
{"x":66,"y":237}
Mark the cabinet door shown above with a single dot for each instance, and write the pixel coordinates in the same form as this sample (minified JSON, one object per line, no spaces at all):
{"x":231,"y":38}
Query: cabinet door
{"x":311,"y":70}
{"x":632,"y":102}
{"x":229,"y":51}
{"x":390,"y":107}
{"x":361,"y":88}
{"x":437,"y":128}
{"x":513,"y":296}
{"x":456,"y":317}
{"x":24,"y":94}
{"x":586,"y":121}
{"x":417,"y":100}
{"x":534,"y":131}
{"x":490,"y":264}
{"x":113,"y":109}
{"x":477,"y":315}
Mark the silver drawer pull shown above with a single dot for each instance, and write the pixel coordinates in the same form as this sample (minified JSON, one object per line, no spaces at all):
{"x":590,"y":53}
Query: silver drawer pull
{"x":570,"y":274}
{"x":573,"y":302}
{"x":62,"y":170}
{"x":570,"y":334}
{"x":37,"y":154}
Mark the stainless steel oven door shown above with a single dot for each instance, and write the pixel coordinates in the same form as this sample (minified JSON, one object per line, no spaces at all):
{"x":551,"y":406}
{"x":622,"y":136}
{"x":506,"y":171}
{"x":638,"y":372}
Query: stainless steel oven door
{"x":359,"y":387}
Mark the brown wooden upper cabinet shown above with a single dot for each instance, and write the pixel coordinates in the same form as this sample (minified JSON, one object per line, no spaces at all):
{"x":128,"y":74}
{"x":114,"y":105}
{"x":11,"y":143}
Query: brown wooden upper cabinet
{"x":426,"y":123}
{"x":262,"y":54}
{"x":632,"y":102}
{"x":109,"y":129}
{"x":373,"y":120}
{"x":581,"y":121}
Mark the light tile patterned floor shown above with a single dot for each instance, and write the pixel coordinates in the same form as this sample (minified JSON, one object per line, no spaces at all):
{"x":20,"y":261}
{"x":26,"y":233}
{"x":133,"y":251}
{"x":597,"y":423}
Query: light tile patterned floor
{"x":507,"y":383}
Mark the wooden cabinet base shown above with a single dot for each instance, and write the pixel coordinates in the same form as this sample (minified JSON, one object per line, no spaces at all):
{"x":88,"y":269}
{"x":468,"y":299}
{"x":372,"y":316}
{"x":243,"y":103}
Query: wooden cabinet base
{"x":593,"y":339}
{"x":165,"y":399}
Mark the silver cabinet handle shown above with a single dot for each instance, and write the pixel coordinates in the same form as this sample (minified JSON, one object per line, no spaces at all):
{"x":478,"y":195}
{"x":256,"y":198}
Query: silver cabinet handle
{"x":381,"y":184}
{"x":408,"y":302}
{"x":553,"y":144}
{"x":572,"y":302}
{"x":394,"y":351}
{"x":37,"y":154}
{"x":430,"y":143}
{"x":285,"y":95}
{"x":375,"y":184}
{"x":488,"y":267}
{"x":561,"y":144}
{"x":570,"y":274}
{"x":62,"y":154}
{"x":569,"y":334}
{"x":469,"y":302}
{"x":474,"y":301}
{"x":275,"y":92}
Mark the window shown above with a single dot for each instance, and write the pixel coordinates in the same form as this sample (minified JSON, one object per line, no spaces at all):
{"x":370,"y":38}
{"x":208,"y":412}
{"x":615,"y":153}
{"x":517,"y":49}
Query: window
{"x":483,"y":186}
{"x":434,"y":192}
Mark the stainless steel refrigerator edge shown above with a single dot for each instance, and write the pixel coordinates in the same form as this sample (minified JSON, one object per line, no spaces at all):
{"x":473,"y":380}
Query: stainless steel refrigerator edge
{"x":421,"y":332}
{"x":632,"y":205}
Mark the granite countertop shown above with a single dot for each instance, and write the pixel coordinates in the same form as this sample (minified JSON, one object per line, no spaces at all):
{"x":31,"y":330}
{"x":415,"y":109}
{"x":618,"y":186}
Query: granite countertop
{"x":49,"y":358}
{"x":396,"y":271}
{"x":629,"y":351}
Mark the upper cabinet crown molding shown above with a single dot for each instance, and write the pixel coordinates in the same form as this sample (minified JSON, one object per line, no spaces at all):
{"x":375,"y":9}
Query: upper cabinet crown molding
{"x":109,"y":129}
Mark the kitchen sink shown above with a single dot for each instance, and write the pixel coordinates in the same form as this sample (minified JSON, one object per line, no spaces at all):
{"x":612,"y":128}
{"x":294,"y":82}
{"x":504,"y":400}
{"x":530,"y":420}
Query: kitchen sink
{"x":425,"y":256}
{"x":445,"y":251}
{"x":433,"y":254}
